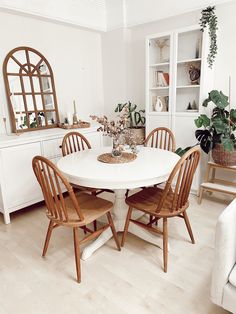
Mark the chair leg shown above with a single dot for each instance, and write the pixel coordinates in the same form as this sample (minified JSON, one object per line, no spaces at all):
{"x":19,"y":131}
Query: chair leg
{"x":165,"y":244}
{"x":48,"y":236}
{"x":188,"y":226}
{"x":150,"y":220}
{"x":126,"y":225}
{"x":77,"y":253}
{"x":200,"y":195}
{"x":110,"y":220}
{"x":95,"y":225}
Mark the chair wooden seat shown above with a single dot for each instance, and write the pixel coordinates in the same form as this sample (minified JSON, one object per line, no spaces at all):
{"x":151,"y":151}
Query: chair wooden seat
{"x":148,"y":199}
{"x":89,"y":211}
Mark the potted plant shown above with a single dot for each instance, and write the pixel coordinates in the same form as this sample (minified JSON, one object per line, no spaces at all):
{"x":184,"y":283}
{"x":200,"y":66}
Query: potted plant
{"x":216,"y":133}
{"x":136,"y":121}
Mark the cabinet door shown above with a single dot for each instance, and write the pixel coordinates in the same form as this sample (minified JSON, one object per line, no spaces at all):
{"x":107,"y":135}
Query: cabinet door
{"x":156,"y":121}
{"x":52,"y":148}
{"x":19,"y":183}
{"x":184,"y":131}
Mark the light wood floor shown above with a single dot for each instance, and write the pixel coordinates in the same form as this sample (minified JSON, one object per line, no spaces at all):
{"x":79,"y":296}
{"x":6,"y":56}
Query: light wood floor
{"x":130,"y":281}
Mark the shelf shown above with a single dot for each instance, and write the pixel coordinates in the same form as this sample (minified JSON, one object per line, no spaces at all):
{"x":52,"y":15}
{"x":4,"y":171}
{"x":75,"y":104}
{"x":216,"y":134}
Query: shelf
{"x":159,"y":87}
{"x":189,"y":60}
{"x":186,"y":113}
{"x":188,"y":86}
{"x":158,"y":113}
{"x":159,"y":64}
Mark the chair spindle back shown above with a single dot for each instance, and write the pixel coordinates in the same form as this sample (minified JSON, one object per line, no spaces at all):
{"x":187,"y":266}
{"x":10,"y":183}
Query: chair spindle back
{"x":51,"y":182}
{"x":161,"y":138}
{"x":182,"y":175}
{"x":74,"y":142}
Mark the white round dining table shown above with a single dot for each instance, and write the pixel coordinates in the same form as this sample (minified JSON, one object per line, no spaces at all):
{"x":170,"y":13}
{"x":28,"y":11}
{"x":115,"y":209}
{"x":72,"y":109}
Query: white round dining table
{"x":152,"y":166}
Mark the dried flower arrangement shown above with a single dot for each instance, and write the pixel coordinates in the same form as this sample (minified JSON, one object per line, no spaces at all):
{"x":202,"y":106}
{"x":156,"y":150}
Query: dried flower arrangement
{"x":119,"y":131}
{"x":114,"y":129}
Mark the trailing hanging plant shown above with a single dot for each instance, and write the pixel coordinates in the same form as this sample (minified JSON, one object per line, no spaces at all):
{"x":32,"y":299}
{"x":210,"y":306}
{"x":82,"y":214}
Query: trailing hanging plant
{"x":209,"y":18}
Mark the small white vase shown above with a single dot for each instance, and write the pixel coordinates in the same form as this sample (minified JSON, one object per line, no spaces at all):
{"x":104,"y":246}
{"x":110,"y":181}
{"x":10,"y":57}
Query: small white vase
{"x":158,"y":106}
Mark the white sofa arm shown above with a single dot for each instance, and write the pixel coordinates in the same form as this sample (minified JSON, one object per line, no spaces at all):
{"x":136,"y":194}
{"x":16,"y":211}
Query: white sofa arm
{"x":225,"y":251}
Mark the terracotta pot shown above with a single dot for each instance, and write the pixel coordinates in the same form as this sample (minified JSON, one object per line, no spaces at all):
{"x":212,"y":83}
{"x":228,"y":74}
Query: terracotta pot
{"x":223,"y":157}
{"x":139,"y":133}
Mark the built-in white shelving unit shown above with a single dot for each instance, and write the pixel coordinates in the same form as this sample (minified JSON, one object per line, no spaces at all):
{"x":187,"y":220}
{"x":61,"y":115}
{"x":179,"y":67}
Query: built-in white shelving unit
{"x":169,"y":89}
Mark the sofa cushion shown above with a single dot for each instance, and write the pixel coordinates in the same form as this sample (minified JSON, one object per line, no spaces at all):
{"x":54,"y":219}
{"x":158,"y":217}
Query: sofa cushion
{"x":232,"y":276}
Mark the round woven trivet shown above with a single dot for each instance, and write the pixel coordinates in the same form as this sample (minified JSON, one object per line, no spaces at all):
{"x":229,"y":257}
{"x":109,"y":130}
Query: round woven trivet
{"x":109,"y":159}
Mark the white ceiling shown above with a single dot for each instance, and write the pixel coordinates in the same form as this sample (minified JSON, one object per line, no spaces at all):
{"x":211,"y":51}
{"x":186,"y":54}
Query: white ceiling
{"x":143,"y":11}
{"x":104,"y":15}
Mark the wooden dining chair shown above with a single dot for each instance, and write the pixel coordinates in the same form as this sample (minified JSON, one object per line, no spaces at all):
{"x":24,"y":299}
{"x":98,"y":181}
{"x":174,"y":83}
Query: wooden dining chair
{"x":71,"y":210}
{"x":76,"y":142}
{"x":161,"y":138}
{"x":172,"y":201}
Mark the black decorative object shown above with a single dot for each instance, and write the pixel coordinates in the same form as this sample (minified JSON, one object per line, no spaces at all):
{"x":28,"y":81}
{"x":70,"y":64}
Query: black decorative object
{"x":194,"y":74}
{"x":209,"y":18}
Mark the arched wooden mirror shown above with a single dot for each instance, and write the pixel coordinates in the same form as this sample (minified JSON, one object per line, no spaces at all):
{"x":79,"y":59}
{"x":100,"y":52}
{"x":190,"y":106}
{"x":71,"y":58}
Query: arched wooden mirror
{"x":30,"y":90}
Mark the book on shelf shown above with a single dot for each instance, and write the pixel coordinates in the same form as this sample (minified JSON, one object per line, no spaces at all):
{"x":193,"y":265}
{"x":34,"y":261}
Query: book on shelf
{"x":161,"y":79}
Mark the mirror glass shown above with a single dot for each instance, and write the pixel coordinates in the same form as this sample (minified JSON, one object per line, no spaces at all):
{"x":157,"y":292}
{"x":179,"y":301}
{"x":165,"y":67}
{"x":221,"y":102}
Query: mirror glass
{"x":30,"y":90}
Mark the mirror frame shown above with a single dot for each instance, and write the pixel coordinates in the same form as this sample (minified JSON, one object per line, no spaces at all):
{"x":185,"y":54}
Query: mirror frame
{"x":31,"y":73}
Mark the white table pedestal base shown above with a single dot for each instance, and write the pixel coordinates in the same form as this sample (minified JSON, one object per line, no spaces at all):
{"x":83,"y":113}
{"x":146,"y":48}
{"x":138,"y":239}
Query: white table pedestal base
{"x":119,"y":213}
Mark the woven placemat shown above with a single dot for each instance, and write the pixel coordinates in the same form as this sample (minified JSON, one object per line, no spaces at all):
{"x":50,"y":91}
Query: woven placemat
{"x":109,"y":159}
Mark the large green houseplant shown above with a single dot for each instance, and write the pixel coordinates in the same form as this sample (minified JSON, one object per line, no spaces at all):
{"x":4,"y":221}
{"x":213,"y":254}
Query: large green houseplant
{"x":216,"y":133}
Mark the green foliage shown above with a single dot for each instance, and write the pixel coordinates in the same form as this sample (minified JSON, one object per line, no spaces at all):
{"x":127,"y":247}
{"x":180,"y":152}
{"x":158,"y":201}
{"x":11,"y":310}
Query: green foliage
{"x":181,"y":151}
{"x":219,"y":127}
{"x":136,"y":117}
{"x":209,"y":19}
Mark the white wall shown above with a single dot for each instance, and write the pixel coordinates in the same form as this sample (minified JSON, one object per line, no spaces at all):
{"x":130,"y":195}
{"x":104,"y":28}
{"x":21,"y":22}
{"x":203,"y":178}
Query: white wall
{"x":74,"y":54}
{"x":115,"y":57}
{"x":144,"y":11}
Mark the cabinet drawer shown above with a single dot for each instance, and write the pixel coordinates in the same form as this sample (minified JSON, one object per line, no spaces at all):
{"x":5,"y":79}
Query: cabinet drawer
{"x":51,"y":148}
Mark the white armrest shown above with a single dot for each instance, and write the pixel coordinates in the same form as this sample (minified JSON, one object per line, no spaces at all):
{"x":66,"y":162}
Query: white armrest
{"x":225,"y":251}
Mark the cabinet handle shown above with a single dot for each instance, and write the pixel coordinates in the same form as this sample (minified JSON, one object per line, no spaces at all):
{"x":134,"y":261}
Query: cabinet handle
{"x":60,"y":146}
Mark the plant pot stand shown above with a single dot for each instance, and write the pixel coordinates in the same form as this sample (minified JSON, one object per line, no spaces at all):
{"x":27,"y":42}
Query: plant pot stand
{"x":212,"y":184}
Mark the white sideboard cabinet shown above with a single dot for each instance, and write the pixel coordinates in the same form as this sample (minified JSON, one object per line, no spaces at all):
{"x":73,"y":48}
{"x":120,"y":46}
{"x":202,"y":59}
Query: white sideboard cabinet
{"x":18,"y":185}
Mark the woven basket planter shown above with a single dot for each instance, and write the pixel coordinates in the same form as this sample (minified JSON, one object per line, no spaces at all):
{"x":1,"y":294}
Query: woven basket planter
{"x":223,"y":157}
{"x":138,"y":133}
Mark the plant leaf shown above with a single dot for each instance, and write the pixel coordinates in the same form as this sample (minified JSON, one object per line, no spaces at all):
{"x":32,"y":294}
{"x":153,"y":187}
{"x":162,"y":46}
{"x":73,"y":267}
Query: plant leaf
{"x":205,"y":139}
{"x":219,"y":99}
{"x":198,"y":122}
{"x":206,"y":102}
{"x":233,"y":115}
{"x":181,"y":151}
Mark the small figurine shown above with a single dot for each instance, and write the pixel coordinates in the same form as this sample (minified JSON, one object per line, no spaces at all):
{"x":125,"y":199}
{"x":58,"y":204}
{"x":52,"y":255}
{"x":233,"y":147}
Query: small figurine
{"x":189,"y":106}
{"x":194,"y":105}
